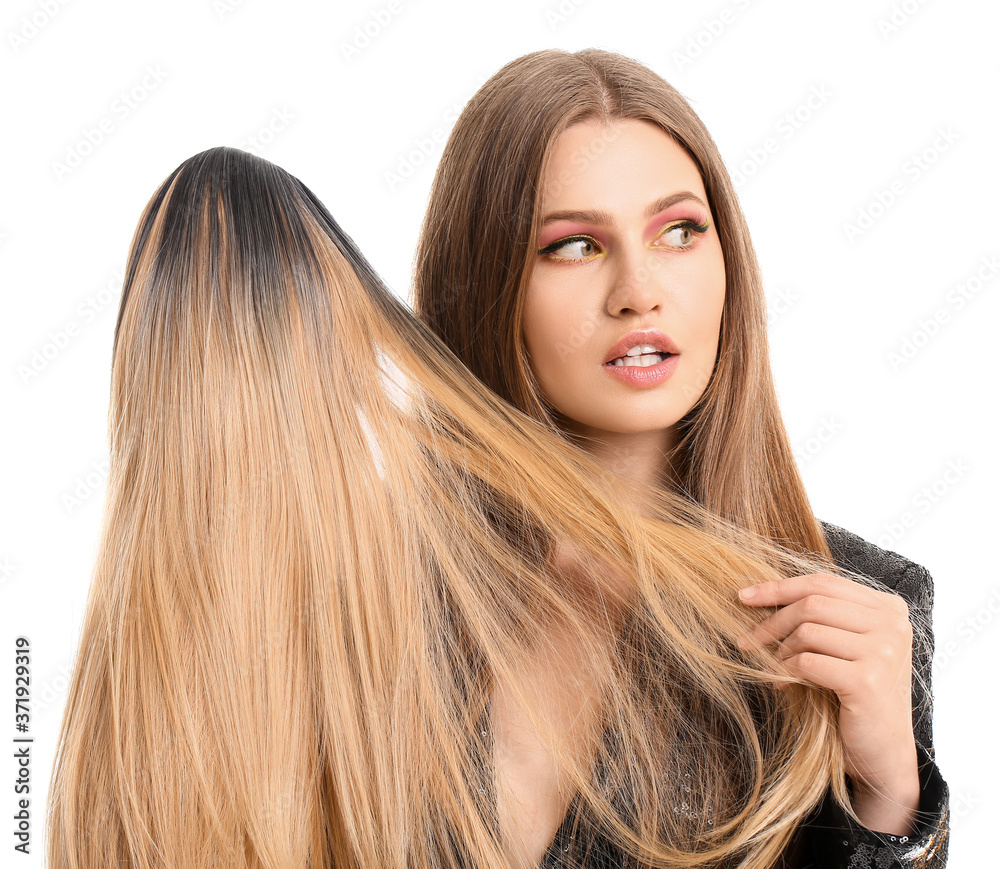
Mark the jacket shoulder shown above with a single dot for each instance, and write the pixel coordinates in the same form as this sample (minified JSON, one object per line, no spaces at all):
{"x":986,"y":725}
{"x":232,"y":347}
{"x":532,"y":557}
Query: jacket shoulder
{"x":853,"y":552}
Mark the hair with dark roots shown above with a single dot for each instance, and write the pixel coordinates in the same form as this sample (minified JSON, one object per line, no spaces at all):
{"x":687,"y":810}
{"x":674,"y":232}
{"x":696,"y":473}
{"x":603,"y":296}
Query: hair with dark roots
{"x":325,"y":540}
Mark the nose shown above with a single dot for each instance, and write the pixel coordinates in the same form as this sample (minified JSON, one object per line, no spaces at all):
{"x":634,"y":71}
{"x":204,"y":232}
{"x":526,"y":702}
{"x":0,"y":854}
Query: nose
{"x":637,"y":282}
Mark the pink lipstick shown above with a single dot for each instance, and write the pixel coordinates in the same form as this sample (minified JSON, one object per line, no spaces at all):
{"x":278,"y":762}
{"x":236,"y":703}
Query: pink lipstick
{"x":631,"y":360}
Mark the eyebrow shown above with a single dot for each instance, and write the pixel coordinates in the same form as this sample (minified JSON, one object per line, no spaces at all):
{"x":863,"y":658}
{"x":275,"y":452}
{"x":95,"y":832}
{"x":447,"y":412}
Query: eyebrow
{"x":605,"y":218}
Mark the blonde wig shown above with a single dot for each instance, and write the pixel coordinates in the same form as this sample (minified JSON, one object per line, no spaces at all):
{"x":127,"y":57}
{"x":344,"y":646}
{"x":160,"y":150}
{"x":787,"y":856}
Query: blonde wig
{"x":326,"y":540}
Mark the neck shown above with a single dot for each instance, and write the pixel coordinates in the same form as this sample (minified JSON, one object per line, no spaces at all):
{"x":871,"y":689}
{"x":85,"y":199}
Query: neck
{"x":643,"y":458}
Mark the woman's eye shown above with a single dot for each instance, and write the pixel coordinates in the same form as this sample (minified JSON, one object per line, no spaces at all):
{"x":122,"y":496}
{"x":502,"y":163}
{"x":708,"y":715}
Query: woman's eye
{"x":681,"y":235}
{"x":684,"y":234}
{"x":576,"y":248}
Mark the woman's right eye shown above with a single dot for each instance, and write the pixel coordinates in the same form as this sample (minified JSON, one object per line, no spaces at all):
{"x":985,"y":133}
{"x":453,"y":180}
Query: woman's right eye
{"x":580,"y":247}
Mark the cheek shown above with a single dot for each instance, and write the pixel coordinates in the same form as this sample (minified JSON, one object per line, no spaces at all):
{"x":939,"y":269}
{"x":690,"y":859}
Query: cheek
{"x":536,"y":330}
{"x":708,"y":303}
{"x":543,"y":324}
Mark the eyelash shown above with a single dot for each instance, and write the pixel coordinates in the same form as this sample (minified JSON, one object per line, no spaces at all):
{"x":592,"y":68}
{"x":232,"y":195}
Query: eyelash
{"x":562,"y":242}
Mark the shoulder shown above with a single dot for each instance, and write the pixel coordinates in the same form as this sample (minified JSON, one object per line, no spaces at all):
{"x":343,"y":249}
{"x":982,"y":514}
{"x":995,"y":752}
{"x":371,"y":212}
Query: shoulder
{"x":898,"y":573}
{"x":911,"y":581}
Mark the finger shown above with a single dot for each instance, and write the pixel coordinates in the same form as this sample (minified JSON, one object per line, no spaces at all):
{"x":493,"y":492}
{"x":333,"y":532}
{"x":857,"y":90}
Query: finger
{"x":768,"y":664}
{"x":814,"y":609}
{"x":822,"y":640}
{"x":834,"y":673}
{"x":790,"y":589}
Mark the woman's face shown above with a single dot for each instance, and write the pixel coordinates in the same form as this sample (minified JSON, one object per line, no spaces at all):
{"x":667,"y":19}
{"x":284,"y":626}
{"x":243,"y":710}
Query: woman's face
{"x":627,"y":243}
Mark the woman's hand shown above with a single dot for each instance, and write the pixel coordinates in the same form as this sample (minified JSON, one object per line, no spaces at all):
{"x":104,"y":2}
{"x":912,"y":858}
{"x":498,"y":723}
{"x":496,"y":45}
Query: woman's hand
{"x":858,"y":642}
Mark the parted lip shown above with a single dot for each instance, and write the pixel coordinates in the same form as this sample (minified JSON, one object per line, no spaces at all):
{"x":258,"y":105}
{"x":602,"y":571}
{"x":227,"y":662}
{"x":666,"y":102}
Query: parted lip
{"x":658,"y":339}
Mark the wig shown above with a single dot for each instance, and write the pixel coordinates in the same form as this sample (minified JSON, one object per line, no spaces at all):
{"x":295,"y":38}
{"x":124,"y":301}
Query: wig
{"x":327,"y":537}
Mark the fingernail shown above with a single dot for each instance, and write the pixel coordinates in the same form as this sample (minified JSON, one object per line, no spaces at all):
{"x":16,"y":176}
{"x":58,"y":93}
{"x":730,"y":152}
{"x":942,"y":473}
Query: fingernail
{"x":747,"y":593}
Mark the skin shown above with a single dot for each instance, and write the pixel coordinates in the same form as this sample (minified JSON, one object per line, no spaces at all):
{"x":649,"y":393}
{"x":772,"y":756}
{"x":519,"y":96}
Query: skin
{"x":639,"y":270}
{"x":857,"y":641}
{"x":636,"y":273}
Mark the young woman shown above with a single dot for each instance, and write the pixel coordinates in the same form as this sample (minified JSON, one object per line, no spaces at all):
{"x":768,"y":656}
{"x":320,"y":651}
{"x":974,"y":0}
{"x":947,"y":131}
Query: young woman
{"x":359,"y":602}
{"x":582,"y":209}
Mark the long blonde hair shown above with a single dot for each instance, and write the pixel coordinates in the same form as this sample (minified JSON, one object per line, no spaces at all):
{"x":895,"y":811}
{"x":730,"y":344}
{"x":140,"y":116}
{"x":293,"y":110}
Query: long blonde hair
{"x":325,"y":540}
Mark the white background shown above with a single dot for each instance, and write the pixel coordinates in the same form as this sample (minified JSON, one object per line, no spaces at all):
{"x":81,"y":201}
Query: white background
{"x":899,"y":453}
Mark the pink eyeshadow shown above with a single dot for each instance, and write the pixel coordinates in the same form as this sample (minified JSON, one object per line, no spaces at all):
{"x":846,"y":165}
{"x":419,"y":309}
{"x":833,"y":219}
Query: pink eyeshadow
{"x":675,"y":212}
{"x":562,"y":229}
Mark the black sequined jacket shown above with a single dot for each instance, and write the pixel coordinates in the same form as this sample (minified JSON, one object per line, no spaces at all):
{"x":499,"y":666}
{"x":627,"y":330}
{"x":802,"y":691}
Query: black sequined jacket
{"x":829,"y":839}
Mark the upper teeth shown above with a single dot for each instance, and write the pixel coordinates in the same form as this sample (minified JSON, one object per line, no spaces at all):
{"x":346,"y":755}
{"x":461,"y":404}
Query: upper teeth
{"x":642,"y":355}
{"x":639,"y":349}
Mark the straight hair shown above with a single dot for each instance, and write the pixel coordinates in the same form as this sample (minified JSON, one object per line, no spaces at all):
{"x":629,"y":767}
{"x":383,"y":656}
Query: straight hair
{"x":478,"y":247}
{"x":326,"y":539}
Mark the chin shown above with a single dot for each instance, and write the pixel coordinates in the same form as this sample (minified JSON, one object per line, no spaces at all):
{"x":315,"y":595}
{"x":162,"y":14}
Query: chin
{"x":619,"y":426}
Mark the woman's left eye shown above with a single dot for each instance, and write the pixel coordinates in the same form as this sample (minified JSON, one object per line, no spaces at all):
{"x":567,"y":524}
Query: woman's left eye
{"x":685,"y":233}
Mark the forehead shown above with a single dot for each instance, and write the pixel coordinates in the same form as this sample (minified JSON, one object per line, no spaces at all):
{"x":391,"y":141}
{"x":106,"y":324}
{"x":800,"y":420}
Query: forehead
{"x":618,"y":165}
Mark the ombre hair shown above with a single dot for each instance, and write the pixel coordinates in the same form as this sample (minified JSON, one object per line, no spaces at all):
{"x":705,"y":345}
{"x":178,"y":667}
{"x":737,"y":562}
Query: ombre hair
{"x":479,"y":245}
{"x":326,"y":540}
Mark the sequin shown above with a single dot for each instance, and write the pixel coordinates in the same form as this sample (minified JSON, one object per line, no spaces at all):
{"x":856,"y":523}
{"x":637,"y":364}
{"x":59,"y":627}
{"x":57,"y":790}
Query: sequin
{"x":835,"y":841}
